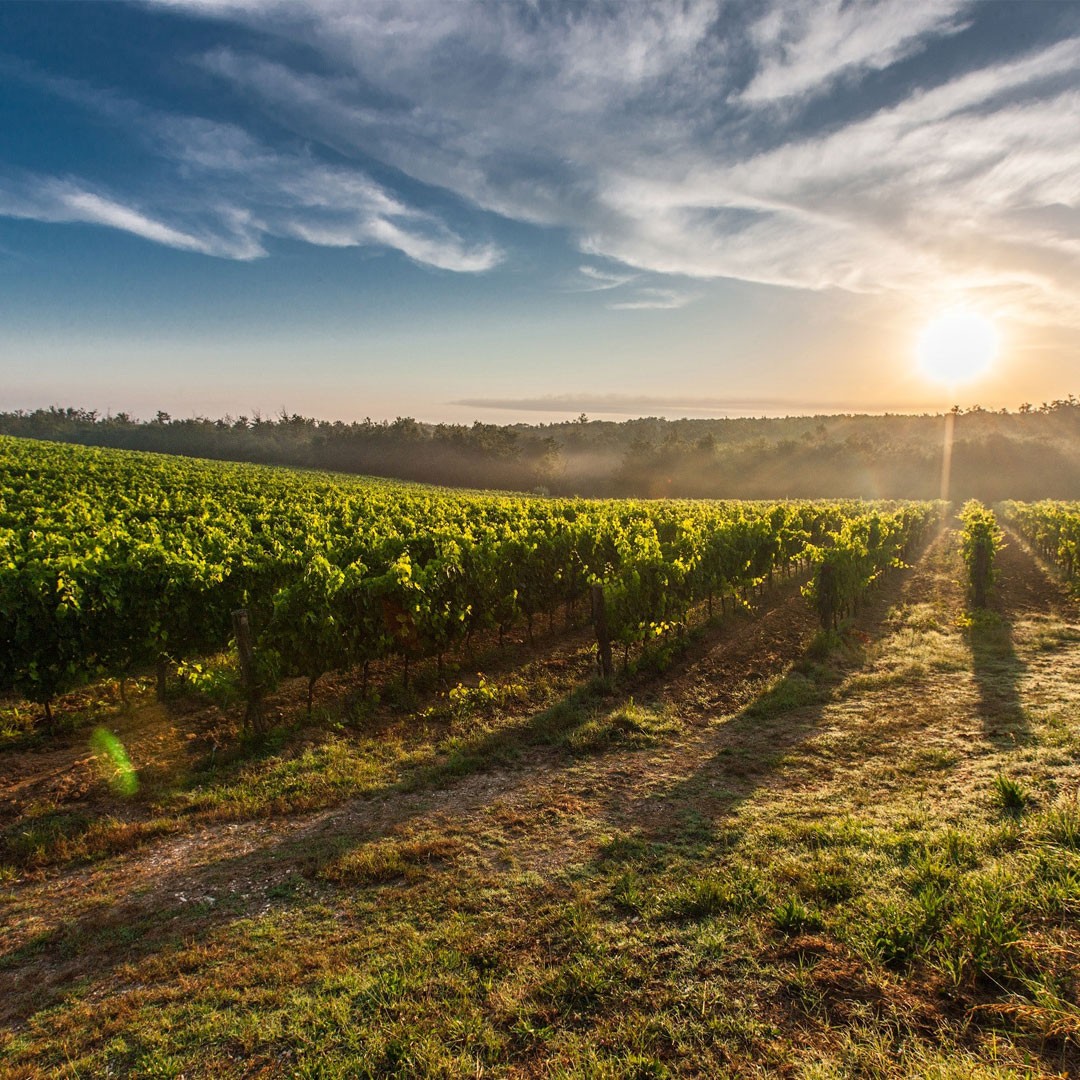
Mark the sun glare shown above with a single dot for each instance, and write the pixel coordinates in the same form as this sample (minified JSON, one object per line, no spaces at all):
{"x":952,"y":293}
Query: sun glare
{"x":957,"y":347}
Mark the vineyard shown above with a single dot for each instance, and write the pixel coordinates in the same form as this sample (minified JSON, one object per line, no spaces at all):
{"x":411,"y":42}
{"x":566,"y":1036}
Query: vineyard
{"x":1053,"y":529}
{"x":116,"y":562}
{"x":593,"y":789}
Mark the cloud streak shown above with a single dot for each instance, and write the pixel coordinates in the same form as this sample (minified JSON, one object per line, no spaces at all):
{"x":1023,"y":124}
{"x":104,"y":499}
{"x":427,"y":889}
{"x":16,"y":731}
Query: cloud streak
{"x":652,"y":299}
{"x":600,"y":280}
{"x":63,"y":201}
{"x":223,"y":193}
{"x":675,"y":139}
{"x":636,"y":404}
{"x":804,"y":48}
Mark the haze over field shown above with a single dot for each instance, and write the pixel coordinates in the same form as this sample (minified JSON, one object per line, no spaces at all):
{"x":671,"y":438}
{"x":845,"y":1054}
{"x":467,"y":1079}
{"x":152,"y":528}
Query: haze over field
{"x":522,"y":212}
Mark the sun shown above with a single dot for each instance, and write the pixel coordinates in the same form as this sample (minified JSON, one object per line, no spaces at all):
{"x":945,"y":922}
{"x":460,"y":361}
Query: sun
{"x":957,"y":347}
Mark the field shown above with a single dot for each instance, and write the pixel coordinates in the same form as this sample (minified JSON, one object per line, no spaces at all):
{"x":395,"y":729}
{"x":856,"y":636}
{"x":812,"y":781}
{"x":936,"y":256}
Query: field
{"x":761,"y":848}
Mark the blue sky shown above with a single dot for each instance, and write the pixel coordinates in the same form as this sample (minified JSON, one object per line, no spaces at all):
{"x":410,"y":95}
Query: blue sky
{"x":519,"y":211}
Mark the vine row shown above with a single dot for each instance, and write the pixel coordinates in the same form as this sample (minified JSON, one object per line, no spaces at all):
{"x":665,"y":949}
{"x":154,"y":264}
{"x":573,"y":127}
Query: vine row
{"x":112,"y":562}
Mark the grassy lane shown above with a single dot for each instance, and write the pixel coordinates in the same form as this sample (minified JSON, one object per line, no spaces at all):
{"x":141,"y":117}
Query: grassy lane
{"x":246,"y":822}
{"x":771,"y":859}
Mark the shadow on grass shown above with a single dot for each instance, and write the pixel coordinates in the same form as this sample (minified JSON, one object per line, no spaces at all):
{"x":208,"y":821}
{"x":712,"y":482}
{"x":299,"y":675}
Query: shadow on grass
{"x":749,"y":748}
{"x":752,"y":744}
{"x":504,"y":746}
{"x":998,"y":671}
{"x":188,"y":901}
{"x":185,"y":901}
{"x":1024,"y":591}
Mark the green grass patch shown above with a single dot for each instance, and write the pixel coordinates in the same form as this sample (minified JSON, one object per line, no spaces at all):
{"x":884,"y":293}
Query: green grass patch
{"x":629,"y":725}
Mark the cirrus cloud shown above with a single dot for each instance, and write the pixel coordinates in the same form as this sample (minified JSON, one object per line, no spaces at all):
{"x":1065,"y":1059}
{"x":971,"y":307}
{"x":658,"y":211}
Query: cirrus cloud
{"x":865,"y":147}
{"x":714,"y":140}
{"x":219,"y":191}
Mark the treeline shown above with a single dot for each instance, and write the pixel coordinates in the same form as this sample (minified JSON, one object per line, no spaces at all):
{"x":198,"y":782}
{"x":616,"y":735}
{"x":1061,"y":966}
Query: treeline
{"x":481,"y":455}
{"x":1027,"y":454}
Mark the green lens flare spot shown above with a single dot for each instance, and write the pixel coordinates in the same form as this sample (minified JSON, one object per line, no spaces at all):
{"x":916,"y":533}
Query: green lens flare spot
{"x":114,"y":763}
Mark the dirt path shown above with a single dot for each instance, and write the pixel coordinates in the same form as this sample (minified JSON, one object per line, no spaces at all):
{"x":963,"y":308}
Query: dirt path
{"x":1020,"y":591}
{"x":238,"y":865}
{"x":739,"y":709}
{"x":945,"y":699}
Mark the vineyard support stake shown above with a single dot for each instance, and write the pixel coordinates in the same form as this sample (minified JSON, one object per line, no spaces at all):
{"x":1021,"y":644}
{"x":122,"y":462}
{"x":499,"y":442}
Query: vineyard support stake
{"x":242,"y":630}
{"x":603,"y":640}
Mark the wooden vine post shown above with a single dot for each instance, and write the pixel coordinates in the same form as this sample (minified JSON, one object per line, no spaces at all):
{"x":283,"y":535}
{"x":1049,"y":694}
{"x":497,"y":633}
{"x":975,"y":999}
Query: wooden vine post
{"x":603,"y":639}
{"x":253,"y":718}
{"x":828,"y":596}
{"x":161,"y":677}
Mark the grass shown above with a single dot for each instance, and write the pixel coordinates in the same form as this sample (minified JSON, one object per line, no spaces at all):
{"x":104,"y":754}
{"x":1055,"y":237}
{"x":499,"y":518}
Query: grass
{"x":1011,"y":795}
{"x":628,"y":725}
{"x":850,"y":872}
{"x":303,"y":767}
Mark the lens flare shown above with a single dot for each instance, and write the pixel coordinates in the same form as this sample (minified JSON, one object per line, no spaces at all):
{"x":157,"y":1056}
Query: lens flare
{"x":114,"y":763}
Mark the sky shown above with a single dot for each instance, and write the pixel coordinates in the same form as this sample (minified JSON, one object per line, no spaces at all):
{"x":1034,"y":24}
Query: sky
{"x":522,"y":211}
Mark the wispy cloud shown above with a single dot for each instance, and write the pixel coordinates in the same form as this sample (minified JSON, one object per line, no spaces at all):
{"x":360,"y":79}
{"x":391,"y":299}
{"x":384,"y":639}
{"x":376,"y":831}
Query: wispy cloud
{"x":64,"y":201}
{"x":223,"y":193}
{"x":676,"y":138}
{"x":788,"y":143}
{"x":665,"y":405}
{"x":600,"y":280}
{"x":654,"y":299}
{"x":96,"y":210}
{"x":803,"y":47}
{"x":634,"y":294}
